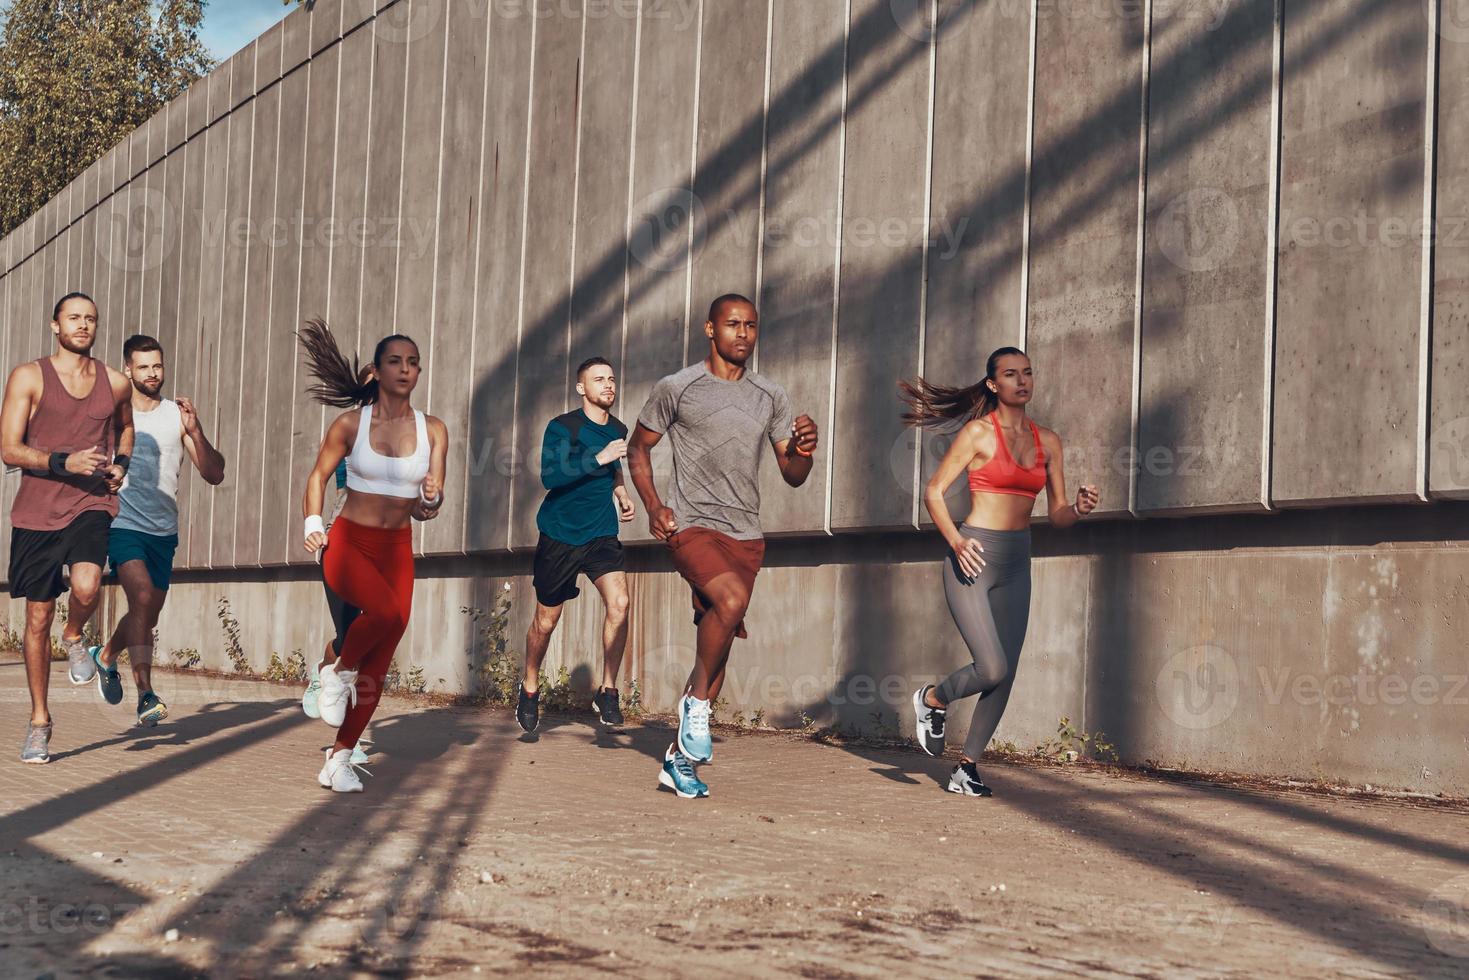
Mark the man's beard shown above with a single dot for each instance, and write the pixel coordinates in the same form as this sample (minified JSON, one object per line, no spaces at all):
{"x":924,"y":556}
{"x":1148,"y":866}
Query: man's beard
{"x":145,"y":389}
{"x":603,"y":401}
{"x":74,"y":347}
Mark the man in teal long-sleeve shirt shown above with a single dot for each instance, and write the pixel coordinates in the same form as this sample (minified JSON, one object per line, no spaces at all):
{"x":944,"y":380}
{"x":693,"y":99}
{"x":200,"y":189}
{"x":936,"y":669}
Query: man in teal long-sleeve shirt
{"x":581,"y":469}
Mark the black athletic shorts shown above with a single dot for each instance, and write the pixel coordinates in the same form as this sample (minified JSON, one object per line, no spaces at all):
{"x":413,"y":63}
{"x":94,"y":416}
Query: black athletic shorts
{"x":36,"y":557}
{"x":557,"y":565}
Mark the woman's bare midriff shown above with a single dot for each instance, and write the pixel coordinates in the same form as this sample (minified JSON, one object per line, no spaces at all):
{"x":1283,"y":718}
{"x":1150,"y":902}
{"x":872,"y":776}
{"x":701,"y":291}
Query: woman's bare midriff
{"x":376,"y":510}
{"x":999,"y":511}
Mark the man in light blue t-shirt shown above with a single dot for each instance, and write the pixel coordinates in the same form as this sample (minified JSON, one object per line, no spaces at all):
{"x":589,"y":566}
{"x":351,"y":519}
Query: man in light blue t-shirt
{"x":145,"y":533}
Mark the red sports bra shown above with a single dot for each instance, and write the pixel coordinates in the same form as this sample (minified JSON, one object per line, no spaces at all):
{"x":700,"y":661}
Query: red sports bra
{"x":1002,"y":475}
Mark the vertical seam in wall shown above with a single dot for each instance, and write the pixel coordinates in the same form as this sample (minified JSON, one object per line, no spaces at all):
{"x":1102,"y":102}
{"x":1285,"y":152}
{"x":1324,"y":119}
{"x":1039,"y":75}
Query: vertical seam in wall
{"x":244,"y":319}
{"x":524,"y":245}
{"x":402,"y":163}
{"x":1425,"y":324}
{"x":1272,"y":257}
{"x":471,"y":453}
{"x":933,"y":44}
{"x":331,"y":250}
{"x":836,"y":277}
{"x":693,"y":176}
{"x":366,"y":169}
{"x":229,"y":119}
{"x":433,"y":295}
{"x":632,"y":177}
{"x":581,"y":88}
{"x":764,"y":164}
{"x":275,"y":197}
{"x":1134,"y":471}
{"x":1025,"y":205}
{"x":300,"y":263}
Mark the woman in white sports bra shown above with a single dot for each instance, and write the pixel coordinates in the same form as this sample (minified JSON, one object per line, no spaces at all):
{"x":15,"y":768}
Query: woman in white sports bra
{"x":395,"y":475}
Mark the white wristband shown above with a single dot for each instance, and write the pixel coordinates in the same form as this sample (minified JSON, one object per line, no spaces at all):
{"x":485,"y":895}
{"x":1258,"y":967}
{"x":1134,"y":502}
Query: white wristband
{"x":433,"y":504}
{"x":314,"y":525}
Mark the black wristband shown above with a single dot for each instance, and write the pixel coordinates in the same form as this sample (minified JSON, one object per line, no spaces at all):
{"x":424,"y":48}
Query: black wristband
{"x":57,"y":464}
{"x":123,"y":460}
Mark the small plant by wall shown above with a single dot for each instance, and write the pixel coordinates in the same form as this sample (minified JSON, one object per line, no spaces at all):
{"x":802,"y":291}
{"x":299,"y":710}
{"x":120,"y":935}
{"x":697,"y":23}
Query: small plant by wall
{"x":288,"y":671}
{"x":232,"y":648}
{"x":185,"y":659}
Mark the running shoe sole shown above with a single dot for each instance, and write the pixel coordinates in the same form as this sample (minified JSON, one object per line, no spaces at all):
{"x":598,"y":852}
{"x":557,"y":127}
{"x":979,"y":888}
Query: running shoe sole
{"x":153,"y":715}
{"x":666,"y":780}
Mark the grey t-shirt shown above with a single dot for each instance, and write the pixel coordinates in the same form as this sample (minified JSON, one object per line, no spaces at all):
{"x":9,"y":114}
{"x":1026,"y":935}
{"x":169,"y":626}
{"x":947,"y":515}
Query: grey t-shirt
{"x":718,"y":430}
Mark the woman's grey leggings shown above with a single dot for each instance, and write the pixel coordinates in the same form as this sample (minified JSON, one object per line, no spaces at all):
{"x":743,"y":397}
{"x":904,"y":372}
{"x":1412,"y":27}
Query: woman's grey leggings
{"x":991,"y":612}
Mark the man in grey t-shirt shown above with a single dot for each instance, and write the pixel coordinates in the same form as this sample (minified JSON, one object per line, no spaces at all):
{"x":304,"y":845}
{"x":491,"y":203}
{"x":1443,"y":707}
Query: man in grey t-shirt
{"x":718,"y":416}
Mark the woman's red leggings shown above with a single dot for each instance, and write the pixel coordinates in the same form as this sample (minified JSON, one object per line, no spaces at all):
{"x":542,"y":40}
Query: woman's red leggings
{"x":372,"y":569}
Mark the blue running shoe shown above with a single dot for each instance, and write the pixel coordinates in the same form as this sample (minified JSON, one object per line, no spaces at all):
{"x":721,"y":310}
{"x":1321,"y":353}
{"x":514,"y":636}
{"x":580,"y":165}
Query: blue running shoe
{"x":694,"y":740}
{"x":313,"y":691}
{"x":109,"y":682}
{"x":359,"y":757}
{"x":678,"y":775}
{"x":151,"y":710}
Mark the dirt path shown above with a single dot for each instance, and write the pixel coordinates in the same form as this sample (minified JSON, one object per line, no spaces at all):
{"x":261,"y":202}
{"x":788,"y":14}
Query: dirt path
{"x":473,"y":850}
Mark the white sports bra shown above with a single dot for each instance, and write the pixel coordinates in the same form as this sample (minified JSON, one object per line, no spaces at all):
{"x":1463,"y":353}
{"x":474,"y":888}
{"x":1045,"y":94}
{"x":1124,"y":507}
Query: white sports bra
{"x":390,"y":476}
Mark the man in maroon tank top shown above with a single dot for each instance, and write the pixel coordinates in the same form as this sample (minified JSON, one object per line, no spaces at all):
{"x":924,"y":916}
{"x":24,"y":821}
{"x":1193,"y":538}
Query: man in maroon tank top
{"x":67,"y":423}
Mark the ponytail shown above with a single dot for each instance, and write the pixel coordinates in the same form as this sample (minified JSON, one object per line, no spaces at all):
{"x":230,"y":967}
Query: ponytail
{"x":934,"y":406}
{"x":337,"y":382}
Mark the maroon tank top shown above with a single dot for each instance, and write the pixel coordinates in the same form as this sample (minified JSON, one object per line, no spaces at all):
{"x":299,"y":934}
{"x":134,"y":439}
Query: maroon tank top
{"x":64,"y":424}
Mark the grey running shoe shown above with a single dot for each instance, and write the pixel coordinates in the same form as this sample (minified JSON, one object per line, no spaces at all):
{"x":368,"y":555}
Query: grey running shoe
{"x":930,"y":722}
{"x":37,"y":747}
{"x":80,"y":667}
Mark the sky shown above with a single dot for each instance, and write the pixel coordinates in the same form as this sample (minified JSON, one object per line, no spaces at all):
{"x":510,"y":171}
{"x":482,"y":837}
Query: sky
{"x":229,"y":25}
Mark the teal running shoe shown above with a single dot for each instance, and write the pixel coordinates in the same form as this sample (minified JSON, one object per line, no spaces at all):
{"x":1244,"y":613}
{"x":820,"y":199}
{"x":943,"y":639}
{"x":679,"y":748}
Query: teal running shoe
{"x":313,"y":691}
{"x":151,"y":710}
{"x":694,"y":740}
{"x":678,"y":775}
{"x":109,"y":681}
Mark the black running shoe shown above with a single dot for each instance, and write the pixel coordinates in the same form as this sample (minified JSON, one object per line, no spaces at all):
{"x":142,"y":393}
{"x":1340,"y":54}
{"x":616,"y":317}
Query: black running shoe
{"x":151,"y":710}
{"x":965,"y":781}
{"x":930,"y":722}
{"x":605,"y":703}
{"x":528,"y":710}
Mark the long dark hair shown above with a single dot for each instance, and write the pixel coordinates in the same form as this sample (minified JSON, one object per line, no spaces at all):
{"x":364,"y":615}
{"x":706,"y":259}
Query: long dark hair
{"x":934,"y":406}
{"x":338,"y":383}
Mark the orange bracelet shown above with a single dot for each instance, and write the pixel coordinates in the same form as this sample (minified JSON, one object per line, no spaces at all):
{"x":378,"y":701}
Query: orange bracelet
{"x":800,"y":451}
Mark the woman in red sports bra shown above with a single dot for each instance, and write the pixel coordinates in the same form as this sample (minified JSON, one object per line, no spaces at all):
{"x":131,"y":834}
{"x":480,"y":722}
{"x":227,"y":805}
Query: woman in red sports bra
{"x":1009,"y":460}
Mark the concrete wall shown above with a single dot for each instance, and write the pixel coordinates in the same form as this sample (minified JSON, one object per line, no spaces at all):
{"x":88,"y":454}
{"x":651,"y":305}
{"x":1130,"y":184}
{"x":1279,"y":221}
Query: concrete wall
{"x":1206,"y":221}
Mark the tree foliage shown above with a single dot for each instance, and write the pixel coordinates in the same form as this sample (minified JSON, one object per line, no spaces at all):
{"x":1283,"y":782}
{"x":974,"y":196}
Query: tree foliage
{"x":76,"y":76}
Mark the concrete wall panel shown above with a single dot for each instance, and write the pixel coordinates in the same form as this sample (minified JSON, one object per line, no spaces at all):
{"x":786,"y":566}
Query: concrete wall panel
{"x":314,"y":243}
{"x":544,"y":391}
{"x":454,"y":312}
{"x":1206,"y":308}
{"x":214,"y":221}
{"x":280,"y":513}
{"x":266,"y":242}
{"x":489,"y":445}
{"x":296,"y":39}
{"x":728,"y":139}
{"x":383,"y":225}
{"x":802,"y":197}
{"x":883,"y":223}
{"x":1448,"y":446}
{"x":601,"y":203}
{"x":347,"y":232}
{"x":1084,"y":201}
{"x":977,"y":221}
{"x":268,"y":56}
{"x":326,"y":25}
{"x":657,"y":341}
{"x":182,"y":359}
{"x":1350,"y":282}
{"x":221,"y":374}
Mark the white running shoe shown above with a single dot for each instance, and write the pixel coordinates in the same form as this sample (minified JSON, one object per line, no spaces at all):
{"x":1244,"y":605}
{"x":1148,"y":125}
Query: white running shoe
{"x":337,"y":773}
{"x":338,"y":692}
